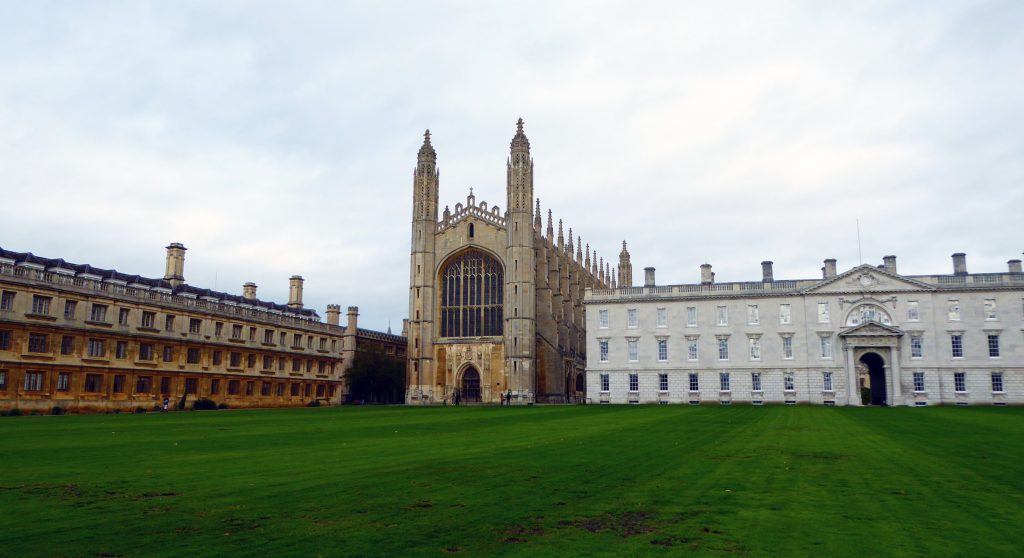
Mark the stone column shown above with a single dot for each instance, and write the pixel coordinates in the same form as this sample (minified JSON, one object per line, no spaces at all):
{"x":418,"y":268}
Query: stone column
{"x":851,"y":378}
{"x":894,"y":356}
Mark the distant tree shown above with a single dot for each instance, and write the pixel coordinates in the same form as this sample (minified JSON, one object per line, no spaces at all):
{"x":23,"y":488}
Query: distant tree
{"x":376,"y":378}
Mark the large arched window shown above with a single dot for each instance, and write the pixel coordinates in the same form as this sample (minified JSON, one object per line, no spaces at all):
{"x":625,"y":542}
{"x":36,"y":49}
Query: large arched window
{"x":472,"y":285}
{"x":868,"y":313}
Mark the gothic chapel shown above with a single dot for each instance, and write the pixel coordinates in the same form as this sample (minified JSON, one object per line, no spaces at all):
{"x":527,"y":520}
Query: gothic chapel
{"x":495,"y":306}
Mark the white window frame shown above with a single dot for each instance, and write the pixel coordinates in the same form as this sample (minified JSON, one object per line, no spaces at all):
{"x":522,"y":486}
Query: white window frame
{"x":960,"y":382}
{"x":634,"y":382}
{"x":724,"y":382}
{"x":787,"y":347}
{"x":826,"y":346}
{"x":755,"y":381}
{"x":956,"y":345}
{"x":991,"y":310}
{"x":755,"y":347}
{"x":692,"y":349}
{"x":785,"y":314}
{"x":723,"y":348}
{"x":824,"y":314}
{"x":662,"y":350}
{"x":691,"y":316}
{"x":602,"y":319}
{"x":661,"y":317}
{"x":722,"y":315}
{"x":663,"y":382}
{"x":826,"y":382}
{"x":992,"y":341}
{"x":953,"y":309}
{"x":605,"y":382}
{"x":916,"y":346}
{"x":997,"y":383}
{"x":788,"y":382}
{"x":918,"y":382}
{"x":632,"y":318}
{"x":913,"y":311}
{"x":694,"y":382}
{"x":632,"y":350}
{"x":602,"y":349}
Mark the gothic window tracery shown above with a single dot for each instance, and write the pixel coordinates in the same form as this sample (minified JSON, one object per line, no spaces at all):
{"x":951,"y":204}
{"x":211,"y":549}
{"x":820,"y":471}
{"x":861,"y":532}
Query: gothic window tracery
{"x":866,"y":313}
{"x":472,"y":285}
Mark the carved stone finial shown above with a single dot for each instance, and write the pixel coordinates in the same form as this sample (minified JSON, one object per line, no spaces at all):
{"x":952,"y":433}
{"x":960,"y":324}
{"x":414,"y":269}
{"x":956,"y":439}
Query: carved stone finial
{"x":519,"y":126}
{"x":427,"y":150}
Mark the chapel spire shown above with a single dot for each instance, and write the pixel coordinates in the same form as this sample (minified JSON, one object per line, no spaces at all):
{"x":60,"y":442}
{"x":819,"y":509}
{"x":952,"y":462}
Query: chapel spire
{"x":625,"y":267}
{"x":520,"y":173}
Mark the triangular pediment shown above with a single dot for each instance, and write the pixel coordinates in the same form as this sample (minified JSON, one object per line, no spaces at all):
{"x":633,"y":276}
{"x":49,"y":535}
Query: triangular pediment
{"x":868,"y":279}
{"x":872,"y":329}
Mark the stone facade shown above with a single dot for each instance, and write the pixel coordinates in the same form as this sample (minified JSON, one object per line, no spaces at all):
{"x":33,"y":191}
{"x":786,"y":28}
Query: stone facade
{"x":495,"y":304}
{"x":865,"y":336}
{"x":88,"y":339}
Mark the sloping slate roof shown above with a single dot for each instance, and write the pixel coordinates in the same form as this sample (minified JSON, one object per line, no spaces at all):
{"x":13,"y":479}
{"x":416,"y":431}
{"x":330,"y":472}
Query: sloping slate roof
{"x":51,"y":263}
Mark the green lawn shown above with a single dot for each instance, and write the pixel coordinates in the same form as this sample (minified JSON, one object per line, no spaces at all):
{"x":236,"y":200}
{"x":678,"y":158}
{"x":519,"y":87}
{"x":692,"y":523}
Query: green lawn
{"x":557,"y":481}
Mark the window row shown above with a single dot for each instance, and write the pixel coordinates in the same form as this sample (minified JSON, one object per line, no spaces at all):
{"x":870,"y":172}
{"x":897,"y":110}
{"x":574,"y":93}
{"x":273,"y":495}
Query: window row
{"x":104,"y":349}
{"x":36,"y":381}
{"x":722,"y":347}
{"x":859,"y":315}
{"x":98,"y":313}
{"x":960,"y":382}
{"x":724,"y":382}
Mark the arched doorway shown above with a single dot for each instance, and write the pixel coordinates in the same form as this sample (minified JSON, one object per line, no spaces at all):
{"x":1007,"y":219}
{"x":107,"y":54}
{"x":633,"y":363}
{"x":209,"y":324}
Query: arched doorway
{"x":875,"y":379}
{"x":471,"y":385}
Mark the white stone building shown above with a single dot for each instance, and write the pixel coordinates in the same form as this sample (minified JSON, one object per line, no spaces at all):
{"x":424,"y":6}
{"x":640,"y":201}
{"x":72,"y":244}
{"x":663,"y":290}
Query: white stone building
{"x":896,"y":339}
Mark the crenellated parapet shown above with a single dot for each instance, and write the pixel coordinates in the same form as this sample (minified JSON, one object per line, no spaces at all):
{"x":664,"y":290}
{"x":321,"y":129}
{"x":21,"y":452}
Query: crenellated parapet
{"x":488,"y":214}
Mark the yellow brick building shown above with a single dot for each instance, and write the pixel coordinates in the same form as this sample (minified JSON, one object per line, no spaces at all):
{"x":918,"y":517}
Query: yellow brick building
{"x":87,"y":339}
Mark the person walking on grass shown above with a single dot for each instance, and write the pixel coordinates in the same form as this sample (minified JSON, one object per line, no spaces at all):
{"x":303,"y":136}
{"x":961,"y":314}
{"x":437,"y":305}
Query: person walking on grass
{"x":166,"y":403}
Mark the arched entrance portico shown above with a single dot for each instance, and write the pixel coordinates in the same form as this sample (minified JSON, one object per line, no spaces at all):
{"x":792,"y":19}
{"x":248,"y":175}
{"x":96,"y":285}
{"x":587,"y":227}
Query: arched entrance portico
{"x":873,"y":384}
{"x":470,"y":385}
{"x":871,"y":351}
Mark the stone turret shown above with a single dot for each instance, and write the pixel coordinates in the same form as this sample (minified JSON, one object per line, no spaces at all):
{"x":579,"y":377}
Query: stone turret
{"x":426,"y":183}
{"x":520,"y":265}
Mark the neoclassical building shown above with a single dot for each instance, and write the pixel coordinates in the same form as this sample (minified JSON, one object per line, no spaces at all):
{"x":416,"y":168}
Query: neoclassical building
{"x":87,"y":339}
{"x":867,"y":336}
{"x":495,"y":301}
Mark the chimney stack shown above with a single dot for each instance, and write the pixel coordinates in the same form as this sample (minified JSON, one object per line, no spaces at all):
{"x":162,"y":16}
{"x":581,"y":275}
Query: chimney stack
{"x":767,"y":275}
{"x":175,"y":273}
{"x":889,"y":263}
{"x":249,"y":291}
{"x":830,"y":268}
{"x":1014,"y":266}
{"x":353,"y":318}
{"x":334,"y":314}
{"x":706,"y":276}
{"x":959,"y":263}
{"x":295,"y":292}
{"x":648,"y":276}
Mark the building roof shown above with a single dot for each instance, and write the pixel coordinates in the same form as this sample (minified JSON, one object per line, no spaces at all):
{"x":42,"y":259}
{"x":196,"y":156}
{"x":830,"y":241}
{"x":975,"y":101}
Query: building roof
{"x":57,"y":265}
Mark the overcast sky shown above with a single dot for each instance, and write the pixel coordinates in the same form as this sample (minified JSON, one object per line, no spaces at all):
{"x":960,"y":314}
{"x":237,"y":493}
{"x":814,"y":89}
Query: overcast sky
{"x":279,"y":138}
